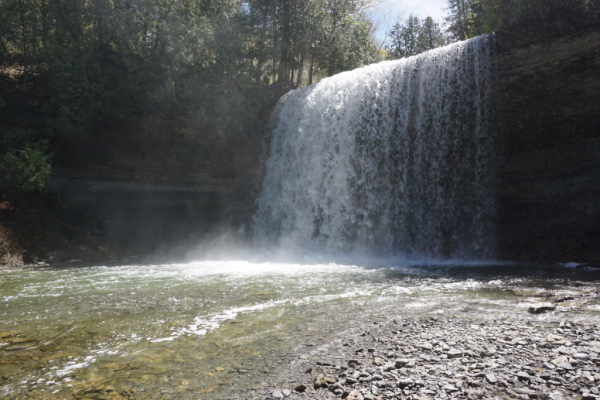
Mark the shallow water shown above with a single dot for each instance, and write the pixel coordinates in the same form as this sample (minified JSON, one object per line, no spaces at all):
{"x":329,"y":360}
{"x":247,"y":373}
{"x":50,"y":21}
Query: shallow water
{"x":210,"y":328}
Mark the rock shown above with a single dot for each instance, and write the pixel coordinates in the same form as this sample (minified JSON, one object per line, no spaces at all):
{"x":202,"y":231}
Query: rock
{"x":563,"y":299}
{"x":491,"y":378}
{"x":320,"y":382}
{"x":277,"y":394}
{"x":286,"y":392}
{"x":300,"y":388}
{"x":426,"y":346}
{"x":355,"y":395}
{"x":588,"y":396}
{"x":524,"y":391}
{"x":378,"y":361}
{"x":350,"y":381}
{"x":540,"y":310}
{"x":12,"y":260}
{"x":523,"y":376}
{"x":565,"y":366}
{"x":449,"y":388}
{"x":389,"y":366}
{"x":402,"y":383}
{"x":335,"y":387}
{"x":560,"y":360}
{"x":402,"y":362}
{"x":581,"y":356}
{"x":554,"y":338}
{"x":453,"y":353}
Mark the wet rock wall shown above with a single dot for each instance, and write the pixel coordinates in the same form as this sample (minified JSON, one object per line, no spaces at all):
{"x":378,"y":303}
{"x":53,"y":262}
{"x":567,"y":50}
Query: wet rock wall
{"x":548,"y":190}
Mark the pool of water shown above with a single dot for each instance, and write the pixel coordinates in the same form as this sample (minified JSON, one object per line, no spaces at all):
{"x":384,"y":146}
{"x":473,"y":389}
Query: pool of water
{"x":211,"y":328}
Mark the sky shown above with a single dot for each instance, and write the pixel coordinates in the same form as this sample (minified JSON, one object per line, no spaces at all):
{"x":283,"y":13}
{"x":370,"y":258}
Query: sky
{"x":389,"y":10}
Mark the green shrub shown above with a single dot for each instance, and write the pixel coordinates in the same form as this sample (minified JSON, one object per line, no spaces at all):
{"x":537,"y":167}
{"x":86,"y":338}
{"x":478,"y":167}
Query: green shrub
{"x":24,"y":162}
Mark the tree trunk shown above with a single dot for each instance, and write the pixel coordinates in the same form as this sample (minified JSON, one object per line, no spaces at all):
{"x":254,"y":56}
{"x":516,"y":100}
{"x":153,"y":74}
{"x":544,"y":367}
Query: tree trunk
{"x":24,"y":38}
{"x":331,"y":68}
{"x":44,"y":11}
{"x":300,"y":71}
{"x":286,"y":44}
{"x":310,"y":70}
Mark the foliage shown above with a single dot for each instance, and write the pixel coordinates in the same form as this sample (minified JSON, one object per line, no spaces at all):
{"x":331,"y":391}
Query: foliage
{"x":25,"y":162}
{"x":412,"y":36}
{"x":520,"y":20}
{"x":106,"y":60}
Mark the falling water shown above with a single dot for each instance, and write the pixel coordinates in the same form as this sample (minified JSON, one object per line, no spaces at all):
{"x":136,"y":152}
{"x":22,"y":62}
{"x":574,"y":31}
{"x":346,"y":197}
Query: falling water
{"x":386,"y":159}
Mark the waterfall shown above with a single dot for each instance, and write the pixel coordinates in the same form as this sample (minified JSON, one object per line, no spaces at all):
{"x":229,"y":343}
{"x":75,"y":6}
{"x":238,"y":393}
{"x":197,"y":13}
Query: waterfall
{"x":387,"y":159}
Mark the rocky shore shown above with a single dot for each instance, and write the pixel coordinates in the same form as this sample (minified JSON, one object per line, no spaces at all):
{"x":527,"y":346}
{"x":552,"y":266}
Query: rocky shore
{"x":447,"y":358}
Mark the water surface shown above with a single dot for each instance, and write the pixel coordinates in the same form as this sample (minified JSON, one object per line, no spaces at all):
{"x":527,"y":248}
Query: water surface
{"x":211,"y":328}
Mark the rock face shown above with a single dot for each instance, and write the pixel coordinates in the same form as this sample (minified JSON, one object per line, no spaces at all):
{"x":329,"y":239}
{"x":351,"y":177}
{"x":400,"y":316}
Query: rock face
{"x":165,"y":182}
{"x":548,"y":187}
{"x":157,"y":183}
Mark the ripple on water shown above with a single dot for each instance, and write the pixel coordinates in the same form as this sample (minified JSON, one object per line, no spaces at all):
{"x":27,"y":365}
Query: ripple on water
{"x":194,"y":327}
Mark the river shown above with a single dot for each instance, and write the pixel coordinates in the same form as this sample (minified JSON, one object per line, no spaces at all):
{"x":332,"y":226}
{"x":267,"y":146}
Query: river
{"x":139,"y":329}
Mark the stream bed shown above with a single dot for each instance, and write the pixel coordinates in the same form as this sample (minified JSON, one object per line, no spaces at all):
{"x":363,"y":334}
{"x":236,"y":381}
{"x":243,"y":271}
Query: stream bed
{"x":209,"y":329}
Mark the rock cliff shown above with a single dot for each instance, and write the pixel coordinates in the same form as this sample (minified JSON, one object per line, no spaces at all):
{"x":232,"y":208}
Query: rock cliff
{"x":548,"y":191}
{"x":156,"y":184}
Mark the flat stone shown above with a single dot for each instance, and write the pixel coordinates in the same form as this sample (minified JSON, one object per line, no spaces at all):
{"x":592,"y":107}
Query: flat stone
{"x":453,"y":353}
{"x":449,"y":388}
{"x":389,"y":366}
{"x":277,"y":394}
{"x":554,"y":338}
{"x":491,"y":378}
{"x":286,"y":392}
{"x":523,"y":376}
{"x":581,"y":356}
{"x":402,"y":362}
{"x":565,"y":366}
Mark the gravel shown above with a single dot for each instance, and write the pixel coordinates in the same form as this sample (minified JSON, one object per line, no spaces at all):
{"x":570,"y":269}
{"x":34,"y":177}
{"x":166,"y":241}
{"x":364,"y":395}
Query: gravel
{"x":439,"y":358}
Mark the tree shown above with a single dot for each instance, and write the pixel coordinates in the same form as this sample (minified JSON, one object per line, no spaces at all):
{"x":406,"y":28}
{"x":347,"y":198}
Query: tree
{"x":458,"y":19}
{"x":430,"y":35}
{"x":411,"y":37}
{"x":102,"y":61}
{"x":520,"y":19}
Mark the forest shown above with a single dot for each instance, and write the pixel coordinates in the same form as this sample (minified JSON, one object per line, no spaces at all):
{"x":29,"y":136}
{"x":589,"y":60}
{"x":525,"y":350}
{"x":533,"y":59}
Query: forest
{"x":66,"y":65}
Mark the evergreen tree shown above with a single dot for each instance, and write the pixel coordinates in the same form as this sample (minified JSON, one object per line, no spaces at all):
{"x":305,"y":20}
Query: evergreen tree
{"x":458,"y":19}
{"x":412,"y":36}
